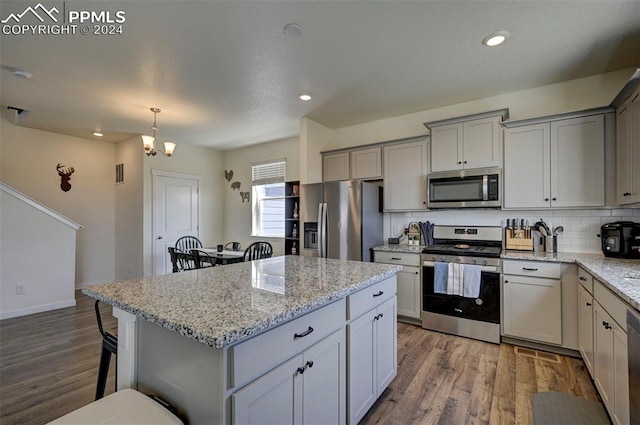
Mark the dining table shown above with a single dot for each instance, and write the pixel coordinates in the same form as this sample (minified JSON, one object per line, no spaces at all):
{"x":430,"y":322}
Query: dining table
{"x":225,"y":256}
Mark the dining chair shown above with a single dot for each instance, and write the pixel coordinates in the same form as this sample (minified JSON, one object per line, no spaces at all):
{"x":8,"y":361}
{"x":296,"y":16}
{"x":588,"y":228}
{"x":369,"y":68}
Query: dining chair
{"x":187,"y":243}
{"x":258,"y":250}
{"x":181,"y":260}
{"x":109,"y":347}
{"x":202,"y":259}
{"x":232,"y":246}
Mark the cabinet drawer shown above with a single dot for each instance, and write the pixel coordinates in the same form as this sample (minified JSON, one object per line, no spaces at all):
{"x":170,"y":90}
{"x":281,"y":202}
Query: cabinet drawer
{"x":370,"y":297}
{"x":252,"y":358}
{"x":616,"y":308}
{"x":585,"y":279}
{"x":397,"y":258}
{"x":532,"y":268}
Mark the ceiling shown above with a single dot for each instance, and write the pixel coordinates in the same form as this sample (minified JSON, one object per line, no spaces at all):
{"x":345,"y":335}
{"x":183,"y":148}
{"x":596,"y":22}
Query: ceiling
{"x":226,"y":75}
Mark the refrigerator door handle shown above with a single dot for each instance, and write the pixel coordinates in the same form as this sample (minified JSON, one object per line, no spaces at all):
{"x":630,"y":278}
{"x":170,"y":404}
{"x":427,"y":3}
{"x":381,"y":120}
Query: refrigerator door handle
{"x":325,"y":236}
{"x":320,"y":238}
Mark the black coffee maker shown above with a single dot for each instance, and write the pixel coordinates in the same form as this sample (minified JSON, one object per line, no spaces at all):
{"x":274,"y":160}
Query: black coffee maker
{"x":621,"y":239}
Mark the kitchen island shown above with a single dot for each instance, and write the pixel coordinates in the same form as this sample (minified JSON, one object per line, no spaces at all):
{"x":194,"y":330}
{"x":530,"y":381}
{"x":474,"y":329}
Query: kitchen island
{"x":259,"y":341}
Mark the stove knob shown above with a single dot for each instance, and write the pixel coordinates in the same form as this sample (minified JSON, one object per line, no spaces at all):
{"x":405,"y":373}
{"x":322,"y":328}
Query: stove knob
{"x":457,"y":259}
{"x":442,"y":258}
{"x":475,"y":261}
{"x":433,"y":258}
{"x":484,"y":262}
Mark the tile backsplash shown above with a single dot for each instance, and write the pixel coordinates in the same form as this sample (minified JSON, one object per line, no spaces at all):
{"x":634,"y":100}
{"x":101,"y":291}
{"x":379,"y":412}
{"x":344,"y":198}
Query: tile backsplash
{"x":581,"y":227}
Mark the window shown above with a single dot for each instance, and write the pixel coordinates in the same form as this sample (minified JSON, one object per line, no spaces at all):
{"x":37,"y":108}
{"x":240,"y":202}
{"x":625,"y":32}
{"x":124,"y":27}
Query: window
{"x":267,"y":180}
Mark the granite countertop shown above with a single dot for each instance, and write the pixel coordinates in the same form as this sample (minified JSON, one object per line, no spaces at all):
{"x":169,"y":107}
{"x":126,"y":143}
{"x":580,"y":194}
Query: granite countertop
{"x":615,"y":273}
{"x":221,"y":306}
{"x":409,"y":249}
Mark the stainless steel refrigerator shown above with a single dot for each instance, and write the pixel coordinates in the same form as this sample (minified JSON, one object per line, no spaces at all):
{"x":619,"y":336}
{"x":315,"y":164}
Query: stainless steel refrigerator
{"x":340,"y":219}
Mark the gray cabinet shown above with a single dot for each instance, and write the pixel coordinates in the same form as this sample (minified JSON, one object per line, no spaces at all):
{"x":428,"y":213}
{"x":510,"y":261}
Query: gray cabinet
{"x":468,"y":144}
{"x":628,"y":150}
{"x":532,"y":295}
{"x":357,"y":164}
{"x":366,"y":164}
{"x":335,"y":166}
{"x":409,"y":281}
{"x":556,"y":164}
{"x":405,"y":176}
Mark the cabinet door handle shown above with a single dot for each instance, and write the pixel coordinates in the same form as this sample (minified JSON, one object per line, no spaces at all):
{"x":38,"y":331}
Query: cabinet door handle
{"x":506,"y":281}
{"x":589,"y":304}
{"x":457,"y":310}
{"x":303,"y":334}
{"x":606,"y":325}
{"x":554,"y":199}
{"x":417,"y":272}
{"x":530,"y":269}
{"x":582,"y":278}
{"x":300,"y":370}
{"x":396,"y":258}
{"x":546,"y":199}
{"x":459,"y":162}
{"x":309,"y":363}
{"x":378,"y":294}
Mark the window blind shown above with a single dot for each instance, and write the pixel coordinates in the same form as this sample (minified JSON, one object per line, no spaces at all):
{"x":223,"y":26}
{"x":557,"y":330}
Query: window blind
{"x":268,"y":173}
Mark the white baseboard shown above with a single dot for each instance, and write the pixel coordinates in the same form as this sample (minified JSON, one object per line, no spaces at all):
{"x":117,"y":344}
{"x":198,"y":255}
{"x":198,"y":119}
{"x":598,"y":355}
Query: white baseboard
{"x":36,"y":309}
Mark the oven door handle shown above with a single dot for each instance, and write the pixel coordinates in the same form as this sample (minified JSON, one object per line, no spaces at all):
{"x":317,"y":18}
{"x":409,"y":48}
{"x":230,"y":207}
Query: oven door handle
{"x":490,"y":269}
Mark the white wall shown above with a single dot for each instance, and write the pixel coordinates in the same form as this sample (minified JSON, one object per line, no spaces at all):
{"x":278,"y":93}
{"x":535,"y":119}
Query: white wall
{"x":28,"y":160}
{"x":314,"y":138}
{"x":575,"y":95}
{"x":188,"y":159}
{"x":38,"y":252}
{"x":238,"y":214}
{"x":128,"y":209}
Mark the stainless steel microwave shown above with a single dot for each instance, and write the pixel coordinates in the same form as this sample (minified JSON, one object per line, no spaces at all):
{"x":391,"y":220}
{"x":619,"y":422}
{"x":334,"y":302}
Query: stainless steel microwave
{"x":476,"y":188}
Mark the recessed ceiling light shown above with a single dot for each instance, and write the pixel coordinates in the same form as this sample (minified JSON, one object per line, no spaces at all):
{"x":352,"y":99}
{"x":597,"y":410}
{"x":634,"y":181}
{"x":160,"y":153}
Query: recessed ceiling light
{"x":97,"y":134}
{"x":22,"y":73}
{"x":305,"y":96}
{"x":495,"y":39}
{"x":293,"y":29}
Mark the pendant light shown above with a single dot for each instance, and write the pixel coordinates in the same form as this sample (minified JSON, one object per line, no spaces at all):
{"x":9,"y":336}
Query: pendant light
{"x":148,"y":142}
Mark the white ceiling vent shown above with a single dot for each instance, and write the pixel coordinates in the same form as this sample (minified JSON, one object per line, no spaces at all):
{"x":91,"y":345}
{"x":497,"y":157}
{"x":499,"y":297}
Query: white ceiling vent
{"x":120,"y":173}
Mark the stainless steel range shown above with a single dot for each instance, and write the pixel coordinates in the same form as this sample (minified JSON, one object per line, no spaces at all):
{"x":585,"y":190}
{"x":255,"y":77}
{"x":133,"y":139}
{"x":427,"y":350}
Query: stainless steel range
{"x":467,"y":258}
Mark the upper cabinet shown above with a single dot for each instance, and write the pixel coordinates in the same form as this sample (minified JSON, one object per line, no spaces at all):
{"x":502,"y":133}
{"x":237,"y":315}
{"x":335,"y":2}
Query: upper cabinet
{"x":473,"y":141}
{"x":358,"y":164}
{"x":366,"y":163}
{"x":405,"y":171}
{"x":559,"y":163}
{"x":335,"y":166}
{"x":628,"y":150}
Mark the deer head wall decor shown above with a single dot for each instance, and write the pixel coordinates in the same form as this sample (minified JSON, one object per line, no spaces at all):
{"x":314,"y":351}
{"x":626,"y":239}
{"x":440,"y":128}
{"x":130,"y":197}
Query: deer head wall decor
{"x":65,"y":176}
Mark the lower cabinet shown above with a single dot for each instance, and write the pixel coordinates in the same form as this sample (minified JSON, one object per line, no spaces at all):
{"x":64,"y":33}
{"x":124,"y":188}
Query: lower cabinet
{"x":372,"y":357}
{"x":585,"y":326}
{"x":532,"y":308}
{"x":307,"y":389}
{"x":611,"y":373}
{"x":409,"y":280}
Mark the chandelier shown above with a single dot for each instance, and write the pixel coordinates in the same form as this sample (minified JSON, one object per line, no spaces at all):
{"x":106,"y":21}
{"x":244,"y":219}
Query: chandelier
{"x":148,"y":142}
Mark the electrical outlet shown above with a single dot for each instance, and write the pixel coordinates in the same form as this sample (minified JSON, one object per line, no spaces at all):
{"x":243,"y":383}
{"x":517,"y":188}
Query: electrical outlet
{"x":20,"y":289}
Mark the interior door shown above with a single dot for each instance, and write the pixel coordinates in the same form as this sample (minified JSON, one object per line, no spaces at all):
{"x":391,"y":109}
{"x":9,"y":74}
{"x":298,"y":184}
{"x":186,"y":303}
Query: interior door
{"x":175,"y":214}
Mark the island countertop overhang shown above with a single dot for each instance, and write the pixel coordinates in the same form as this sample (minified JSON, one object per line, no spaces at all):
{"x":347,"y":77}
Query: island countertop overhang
{"x":222,"y":306}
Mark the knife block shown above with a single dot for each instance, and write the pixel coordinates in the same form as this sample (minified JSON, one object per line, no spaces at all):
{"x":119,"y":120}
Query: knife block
{"x":515,"y":239}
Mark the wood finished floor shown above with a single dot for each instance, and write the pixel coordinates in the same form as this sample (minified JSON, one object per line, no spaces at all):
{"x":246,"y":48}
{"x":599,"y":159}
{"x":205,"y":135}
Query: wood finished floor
{"x":49,"y":364}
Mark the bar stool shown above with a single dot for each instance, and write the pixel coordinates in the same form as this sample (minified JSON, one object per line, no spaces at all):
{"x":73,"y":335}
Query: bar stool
{"x":123,"y":407}
{"x":109,"y":346}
